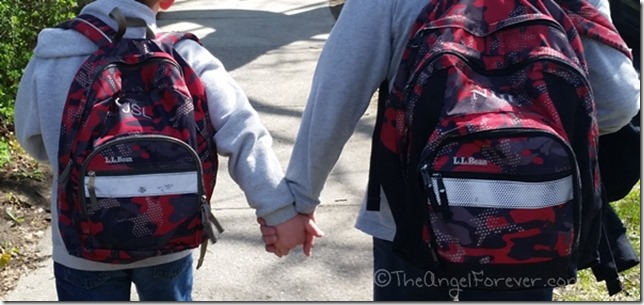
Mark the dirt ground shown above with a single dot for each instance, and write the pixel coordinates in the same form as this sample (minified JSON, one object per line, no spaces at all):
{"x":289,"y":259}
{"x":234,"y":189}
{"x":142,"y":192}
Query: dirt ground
{"x":24,"y":217}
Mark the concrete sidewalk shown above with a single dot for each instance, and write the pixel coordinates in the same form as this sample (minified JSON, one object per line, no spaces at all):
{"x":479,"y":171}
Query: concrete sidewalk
{"x":270,"y":47}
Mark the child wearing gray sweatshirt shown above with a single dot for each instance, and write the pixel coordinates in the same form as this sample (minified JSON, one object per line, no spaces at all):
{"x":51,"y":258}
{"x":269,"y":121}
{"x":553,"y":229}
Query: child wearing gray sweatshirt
{"x":364,"y":48}
{"x":240,"y":136}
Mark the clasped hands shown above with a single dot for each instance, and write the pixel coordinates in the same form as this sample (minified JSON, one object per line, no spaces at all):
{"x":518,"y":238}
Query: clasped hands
{"x":282,"y":238}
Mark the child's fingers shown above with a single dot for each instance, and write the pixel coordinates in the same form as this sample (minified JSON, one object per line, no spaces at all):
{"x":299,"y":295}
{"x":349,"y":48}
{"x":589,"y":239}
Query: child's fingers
{"x":269,"y":239}
{"x":313,"y":229}
{"x":270,"y":248}
{"x":281,"y":251}
{"x":309,"y":242}
{"x":268,"y":231}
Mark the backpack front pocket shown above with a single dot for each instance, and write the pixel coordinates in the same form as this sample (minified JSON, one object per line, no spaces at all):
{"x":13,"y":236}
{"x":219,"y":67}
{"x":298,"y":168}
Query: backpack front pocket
{"x":501,"y":197}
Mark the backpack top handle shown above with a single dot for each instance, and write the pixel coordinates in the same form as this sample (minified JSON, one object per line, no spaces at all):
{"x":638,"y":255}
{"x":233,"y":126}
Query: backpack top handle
{"x":124,"y":22}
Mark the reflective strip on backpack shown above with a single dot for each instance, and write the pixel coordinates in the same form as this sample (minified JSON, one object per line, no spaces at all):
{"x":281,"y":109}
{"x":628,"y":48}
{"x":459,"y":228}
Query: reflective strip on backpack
{"x":504,"y":194}
{"x":144,"y":185}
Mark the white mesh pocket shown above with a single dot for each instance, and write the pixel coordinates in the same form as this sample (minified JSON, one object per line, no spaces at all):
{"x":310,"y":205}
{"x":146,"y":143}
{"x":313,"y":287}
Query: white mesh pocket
{"x":506,"y":194}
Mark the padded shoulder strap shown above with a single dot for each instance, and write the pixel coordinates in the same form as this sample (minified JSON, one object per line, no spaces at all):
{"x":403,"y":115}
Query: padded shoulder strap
{"x":172,"y":38}
{"x":92,"y":28}
{"x":373,"y":195}
{"x":590,"y":22}
{"x":167,"y":40}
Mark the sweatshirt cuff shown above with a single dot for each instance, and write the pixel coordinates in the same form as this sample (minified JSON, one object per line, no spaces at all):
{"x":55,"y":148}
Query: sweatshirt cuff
{"x":280,"y":216}
{"x":305,"y":208}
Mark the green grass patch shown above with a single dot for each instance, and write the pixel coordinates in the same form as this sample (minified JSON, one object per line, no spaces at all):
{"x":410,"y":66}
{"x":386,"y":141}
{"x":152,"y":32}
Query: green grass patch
{"x":587,"y":287}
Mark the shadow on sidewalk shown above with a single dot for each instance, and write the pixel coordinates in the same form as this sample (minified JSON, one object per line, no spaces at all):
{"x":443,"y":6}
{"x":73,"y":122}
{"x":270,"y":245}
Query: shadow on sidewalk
{"x":240,"y":36}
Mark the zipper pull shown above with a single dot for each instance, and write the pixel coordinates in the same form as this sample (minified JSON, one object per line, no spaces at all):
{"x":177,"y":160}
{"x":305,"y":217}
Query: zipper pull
{"x":415,"y":42}
{"x":64,"y":176}
{"x":429,"y":186}
{"x":91,"y":188}
{"x":208,"y":220}
{"x":427,"y":182}
{"x":442,"y":194}
{"x":432,"y":252}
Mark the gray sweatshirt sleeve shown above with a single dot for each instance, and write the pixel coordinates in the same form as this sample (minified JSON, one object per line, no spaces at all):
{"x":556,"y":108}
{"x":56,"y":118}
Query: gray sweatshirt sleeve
{"x":614,"y":81}
{"x":350,"y":68}
{"x":26,"y":115}
{"x":615,"y":84}
{"x":242,"y":138}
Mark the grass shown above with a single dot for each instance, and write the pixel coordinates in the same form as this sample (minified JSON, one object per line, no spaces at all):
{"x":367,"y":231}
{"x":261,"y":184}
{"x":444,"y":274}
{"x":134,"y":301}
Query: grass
{"x":587,"y":288}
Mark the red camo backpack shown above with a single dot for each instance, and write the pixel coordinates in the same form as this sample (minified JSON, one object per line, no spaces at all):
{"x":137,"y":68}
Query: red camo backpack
{"x":486,"y":146}
{"x":137,"y":158}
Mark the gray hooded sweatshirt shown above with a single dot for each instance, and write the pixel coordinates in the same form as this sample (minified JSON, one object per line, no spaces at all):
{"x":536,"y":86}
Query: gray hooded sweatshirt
{"x":364,"y":47}
{"x":240,"y":136}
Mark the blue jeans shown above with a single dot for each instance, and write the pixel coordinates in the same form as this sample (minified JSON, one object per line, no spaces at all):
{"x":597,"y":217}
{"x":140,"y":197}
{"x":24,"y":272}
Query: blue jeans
{"x":167,"y":282}
{"x":395,"y":280}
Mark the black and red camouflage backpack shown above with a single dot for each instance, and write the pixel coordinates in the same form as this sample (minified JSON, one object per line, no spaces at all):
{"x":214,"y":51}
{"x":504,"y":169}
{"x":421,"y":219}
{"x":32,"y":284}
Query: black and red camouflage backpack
{"x":137,"y":158}
{"x":486,"y":147}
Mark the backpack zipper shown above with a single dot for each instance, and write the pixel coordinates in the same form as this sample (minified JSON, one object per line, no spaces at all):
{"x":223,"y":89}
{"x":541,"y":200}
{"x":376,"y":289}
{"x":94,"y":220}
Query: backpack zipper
{"x":421,"y":35}
{"x":425,"y":174}
{"x":541,"y":57}
{"x":442,"y":194}
{"x":431,"y":196}
{"x":136,"y":138}
{"x":92,"y":192}
{"x":121,"y":64}
{"x":508,"y":23}
{"x":89,"y":90}
{"x":424,"y":170}
{"x":427,"y":158}
{"x":151,"y":59}
{"x":554,"y":58}
{"x":441,"y":203}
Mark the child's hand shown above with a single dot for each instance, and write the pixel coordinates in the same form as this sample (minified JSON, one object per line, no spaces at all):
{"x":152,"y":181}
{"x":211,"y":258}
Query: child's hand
{"x":269,"y":236}
{"x":300,"y":229}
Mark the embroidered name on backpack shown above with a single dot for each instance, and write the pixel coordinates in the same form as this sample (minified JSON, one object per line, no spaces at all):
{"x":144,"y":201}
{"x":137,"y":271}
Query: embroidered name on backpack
{"x":487,"y":94}
{"x":132,"y":108}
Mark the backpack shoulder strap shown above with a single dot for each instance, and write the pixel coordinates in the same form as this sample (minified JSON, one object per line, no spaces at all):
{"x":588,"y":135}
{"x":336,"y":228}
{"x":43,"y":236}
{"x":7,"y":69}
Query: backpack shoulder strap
{"x":590,"y":22}
{"x":102,"y":34}
{"x":172,"y":38}
{"x":373,"y":195}
{"x":91,"y":27}
{"x":167,"y":41}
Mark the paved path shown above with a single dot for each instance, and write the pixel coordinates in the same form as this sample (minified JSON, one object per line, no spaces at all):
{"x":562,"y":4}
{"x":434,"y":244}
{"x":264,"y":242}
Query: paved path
{"x":270,"y":47}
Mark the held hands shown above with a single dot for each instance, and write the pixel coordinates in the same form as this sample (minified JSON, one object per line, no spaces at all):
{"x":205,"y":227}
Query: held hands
{"x":282,"y":238}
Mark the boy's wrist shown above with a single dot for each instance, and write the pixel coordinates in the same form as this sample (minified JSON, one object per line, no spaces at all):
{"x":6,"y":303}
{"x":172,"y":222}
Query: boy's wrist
{"x":280,"y":216}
